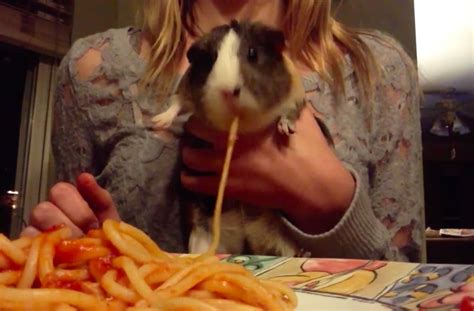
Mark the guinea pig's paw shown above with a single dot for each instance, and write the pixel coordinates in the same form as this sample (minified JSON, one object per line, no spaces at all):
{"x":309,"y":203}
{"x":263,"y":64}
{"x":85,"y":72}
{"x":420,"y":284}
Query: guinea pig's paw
{"x":163,"y":120}
{"x":286,"y":126}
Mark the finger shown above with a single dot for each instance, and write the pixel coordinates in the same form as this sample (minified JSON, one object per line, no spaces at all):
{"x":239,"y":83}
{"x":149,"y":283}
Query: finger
{"x":203,"y":160}
{"x":30,"y":232}
{"x":99,"y":199}
{"x":201,"y":131}
{"x":236,"y":188}
{"x":66,"y":197}
{"x":200,"y":184}
{"x":310,"y":112}
{"x":46,"y":215}
{"x":308,"y":119}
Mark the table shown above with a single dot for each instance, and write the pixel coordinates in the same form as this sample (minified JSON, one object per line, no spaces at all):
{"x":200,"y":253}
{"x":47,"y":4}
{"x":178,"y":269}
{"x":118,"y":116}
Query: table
{"x":341,"y":284}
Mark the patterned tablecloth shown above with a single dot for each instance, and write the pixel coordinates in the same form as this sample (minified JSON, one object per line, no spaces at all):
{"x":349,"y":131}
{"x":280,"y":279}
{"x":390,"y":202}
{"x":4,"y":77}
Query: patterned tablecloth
{"x":340,"y":284}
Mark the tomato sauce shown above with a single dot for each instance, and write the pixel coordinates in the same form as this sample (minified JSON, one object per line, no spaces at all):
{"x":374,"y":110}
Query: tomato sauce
{"x":52,"y":282}
{"x":73,"y":251}
{"x":54,"y":228}
{"x":99,"y":266}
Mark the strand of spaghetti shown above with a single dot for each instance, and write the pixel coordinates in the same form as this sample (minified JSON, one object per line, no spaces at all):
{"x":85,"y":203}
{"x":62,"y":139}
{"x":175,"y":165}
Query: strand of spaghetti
{"x":183,"y":303}
{"x":71,"y":275}
{"x":183,"y":273}
{"x":115,"y":237}
{"x":216,"y":225}
{"x":23,"y":242}
{"x":64,"y":307}
{"x":145,"y":240}
{"x":155,"y":274}
{"x":31,"y":266}
{"x":142,"y":304}
{"x":197,"y":276}
{"x":135,"y":245}
{"x":224,"y":304}
{"x":257,"y":291}
{"x":201,"y":294}
{"x":5,"y":262}
{"x":49,"y":295}
{"x":147,"y":269}
{"x":115,"y":305}
{"x":224,"y":290}
{"x":12,"y":251}
{"x":238,"y":287}
{"x":131,"y":270}
{"x":116,"y":290}
{"x":159,"y":277}
{"x":282,"y":292}
{"x":94,"y":289}
{"x":24,"y":306}
{"x":97,"y":234}
{"x":9,"y":277}
{"x":47,"y":251}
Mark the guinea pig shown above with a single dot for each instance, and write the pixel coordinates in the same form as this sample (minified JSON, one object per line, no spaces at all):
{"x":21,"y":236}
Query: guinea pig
{"x":240,"y":69}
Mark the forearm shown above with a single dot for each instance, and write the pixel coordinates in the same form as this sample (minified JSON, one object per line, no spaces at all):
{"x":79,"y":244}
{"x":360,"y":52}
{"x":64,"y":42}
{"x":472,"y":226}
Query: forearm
{"x":357,"y":234}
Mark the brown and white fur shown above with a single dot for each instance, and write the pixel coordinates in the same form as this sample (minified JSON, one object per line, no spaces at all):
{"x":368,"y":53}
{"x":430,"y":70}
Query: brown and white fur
{"x":239,"y":68}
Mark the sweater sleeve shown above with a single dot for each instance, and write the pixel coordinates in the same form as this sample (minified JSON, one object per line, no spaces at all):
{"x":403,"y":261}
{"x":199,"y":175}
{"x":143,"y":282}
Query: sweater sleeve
{"x":83,"y":88}
{"x":71,"y":141}
{"x":385,"y":219}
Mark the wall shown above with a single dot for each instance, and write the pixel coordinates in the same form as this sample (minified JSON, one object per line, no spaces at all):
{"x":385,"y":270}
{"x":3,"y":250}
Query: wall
{"x":91,"y":16}
{"x":126,"y":12}
{"x":396,"y":17}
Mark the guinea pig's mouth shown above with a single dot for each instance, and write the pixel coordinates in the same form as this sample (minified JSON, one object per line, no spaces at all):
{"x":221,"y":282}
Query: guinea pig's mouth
{"x":234,"y":107}
{"x":232,"y":101}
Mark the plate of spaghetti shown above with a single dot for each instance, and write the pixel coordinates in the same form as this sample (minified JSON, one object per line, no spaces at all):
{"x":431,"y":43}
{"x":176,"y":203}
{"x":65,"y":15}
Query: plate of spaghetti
{"x":119,"y":267}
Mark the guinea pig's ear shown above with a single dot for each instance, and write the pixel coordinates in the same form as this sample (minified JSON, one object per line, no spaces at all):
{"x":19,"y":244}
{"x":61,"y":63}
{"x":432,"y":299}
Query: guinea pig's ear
{"x":276,"y":39}
{"x":235,"y":25}
{"x":200,"y":52}
{"x":195,"y":52}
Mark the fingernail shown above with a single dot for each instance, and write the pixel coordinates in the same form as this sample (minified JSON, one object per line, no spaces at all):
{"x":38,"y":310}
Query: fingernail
{"x":94,"y":225}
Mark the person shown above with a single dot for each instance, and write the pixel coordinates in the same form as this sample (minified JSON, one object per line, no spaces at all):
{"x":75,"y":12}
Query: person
{"x":362,"y":199}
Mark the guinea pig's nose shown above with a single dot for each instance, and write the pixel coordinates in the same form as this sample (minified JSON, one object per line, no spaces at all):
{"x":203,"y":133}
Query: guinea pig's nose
{"x":231,"y":93}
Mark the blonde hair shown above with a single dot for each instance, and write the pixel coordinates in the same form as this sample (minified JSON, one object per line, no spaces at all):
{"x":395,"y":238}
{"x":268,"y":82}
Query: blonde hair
{"x":314,"y":38}
{"x":162,"y":23}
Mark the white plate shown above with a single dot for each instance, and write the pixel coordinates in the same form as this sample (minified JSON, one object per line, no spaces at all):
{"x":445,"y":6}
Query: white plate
{"x":322,"y":302}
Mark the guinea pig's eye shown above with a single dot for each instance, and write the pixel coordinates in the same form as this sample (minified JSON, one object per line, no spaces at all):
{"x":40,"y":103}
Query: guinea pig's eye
{"x":252,"y":54}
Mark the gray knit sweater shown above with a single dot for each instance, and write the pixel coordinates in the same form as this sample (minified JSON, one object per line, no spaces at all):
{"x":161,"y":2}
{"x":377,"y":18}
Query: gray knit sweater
{"x":100,"y":126}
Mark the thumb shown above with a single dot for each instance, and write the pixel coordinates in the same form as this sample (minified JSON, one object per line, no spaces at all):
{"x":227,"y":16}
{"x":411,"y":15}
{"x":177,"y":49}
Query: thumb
{"x":99,"y":199}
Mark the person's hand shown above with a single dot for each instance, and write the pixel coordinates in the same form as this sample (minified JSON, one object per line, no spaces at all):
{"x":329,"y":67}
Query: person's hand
{"x":81,"y":208}
{"x":301,"y":175}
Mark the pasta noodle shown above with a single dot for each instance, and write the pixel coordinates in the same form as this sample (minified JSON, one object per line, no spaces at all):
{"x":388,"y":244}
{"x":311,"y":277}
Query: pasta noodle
{"x":234,"y":127}
{"x":118,"y":268}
